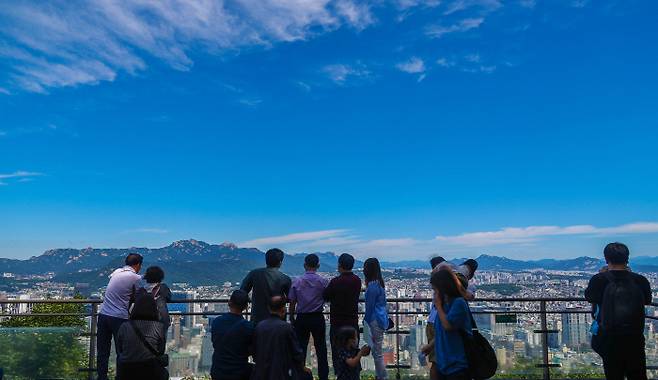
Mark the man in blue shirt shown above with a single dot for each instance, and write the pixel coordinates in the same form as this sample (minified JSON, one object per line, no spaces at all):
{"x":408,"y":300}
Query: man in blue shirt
{"x":232,"y":339}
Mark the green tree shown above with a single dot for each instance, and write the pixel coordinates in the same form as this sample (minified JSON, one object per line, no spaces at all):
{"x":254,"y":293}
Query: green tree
{"x":33,"y":347}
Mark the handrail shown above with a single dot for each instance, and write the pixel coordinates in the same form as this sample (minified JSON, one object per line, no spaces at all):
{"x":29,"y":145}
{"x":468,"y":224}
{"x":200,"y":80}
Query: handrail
{"x":542,"y":311}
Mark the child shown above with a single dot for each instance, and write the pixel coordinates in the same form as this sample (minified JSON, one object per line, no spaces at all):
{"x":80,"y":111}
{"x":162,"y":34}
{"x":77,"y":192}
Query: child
{"x":348,"y":365}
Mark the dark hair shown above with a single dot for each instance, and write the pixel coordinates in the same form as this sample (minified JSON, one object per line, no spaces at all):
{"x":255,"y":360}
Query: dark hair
{"x":436,"y":260}
{"x":277,"y":303}
{"x":134,"y":259}
{"x":446,"y":282}
{"x":240,"y":299}
{"x":145,"y":309}
{"x":154,"y":275}
{"x":346,"y":261}
{"x":372,"y":271}
{"x":312,"y":260}
{"x":616,"y":253}
{"x":274,"y":257}
{"x":344,"y":334}
{"x":472,"y":265}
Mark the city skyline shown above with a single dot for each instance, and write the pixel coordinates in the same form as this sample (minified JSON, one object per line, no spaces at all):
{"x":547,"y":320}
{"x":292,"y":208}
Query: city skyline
{"x":397,"y":129}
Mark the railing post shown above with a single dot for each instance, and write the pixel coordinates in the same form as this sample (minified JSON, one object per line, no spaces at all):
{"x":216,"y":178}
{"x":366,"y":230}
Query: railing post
{"x":544,"y":340}
{"x":397,"y":338}
{"x":92,"y":340}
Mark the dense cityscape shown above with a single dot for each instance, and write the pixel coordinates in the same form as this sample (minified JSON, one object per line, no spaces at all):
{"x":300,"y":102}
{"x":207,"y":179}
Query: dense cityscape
{"x":508,"y":325}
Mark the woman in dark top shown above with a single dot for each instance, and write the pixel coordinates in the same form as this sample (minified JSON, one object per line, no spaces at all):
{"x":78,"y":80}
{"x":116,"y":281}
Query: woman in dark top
{"x":141,"y":343}
{"x":160,"y":291}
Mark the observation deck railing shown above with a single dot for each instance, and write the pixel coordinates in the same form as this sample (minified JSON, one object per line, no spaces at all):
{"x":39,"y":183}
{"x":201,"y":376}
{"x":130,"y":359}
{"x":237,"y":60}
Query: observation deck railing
{"x":542,"y":307}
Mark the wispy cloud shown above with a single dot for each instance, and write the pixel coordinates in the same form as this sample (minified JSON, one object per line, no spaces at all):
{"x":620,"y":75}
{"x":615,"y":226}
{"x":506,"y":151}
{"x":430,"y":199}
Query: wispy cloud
{"x":414,"y":65}
{"x":438,"y":31}
{"x":461,"y":5}
{"x":18,"y":176}
{"x":73,"y":43}
{"x":294,"y":238}
{"x":250,"y":102}
{"x":342,"y":73}
{"x":515,"y":235}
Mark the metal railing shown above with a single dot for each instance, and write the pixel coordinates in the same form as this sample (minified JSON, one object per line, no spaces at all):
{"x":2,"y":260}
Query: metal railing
{"x":541,"y":303}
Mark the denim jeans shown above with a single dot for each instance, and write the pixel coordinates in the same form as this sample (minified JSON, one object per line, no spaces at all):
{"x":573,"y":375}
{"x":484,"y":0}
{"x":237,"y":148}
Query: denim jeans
{"x":377,"y":340}
{"x":108,"y":327}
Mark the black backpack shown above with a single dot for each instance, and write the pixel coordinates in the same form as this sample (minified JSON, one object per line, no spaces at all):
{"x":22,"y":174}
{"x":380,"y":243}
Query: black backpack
{"x":622,"y":306}
{"x":481,"y":357}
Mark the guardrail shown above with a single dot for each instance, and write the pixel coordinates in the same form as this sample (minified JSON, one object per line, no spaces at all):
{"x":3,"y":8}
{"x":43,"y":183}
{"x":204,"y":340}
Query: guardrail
{"x":541,"y":309}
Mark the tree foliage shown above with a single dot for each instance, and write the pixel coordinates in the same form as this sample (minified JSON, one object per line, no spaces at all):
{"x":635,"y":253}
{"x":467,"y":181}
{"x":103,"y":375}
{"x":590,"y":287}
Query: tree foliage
{"x":33,"y":347}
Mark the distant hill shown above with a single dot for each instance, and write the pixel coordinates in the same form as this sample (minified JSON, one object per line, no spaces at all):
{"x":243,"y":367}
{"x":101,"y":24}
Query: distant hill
{"x":200,"y":263}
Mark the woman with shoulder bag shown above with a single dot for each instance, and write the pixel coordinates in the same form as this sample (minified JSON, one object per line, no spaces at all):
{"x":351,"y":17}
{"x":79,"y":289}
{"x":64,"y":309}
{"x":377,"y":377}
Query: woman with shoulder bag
{"x":141,"y":343}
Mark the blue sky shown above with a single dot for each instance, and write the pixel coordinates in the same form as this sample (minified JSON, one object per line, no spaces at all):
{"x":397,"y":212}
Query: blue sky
{"x":395,"y":129}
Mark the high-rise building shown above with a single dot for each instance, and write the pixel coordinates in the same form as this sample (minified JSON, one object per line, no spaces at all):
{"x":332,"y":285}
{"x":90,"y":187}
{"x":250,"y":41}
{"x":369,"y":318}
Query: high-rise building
{"x":575,"y":329}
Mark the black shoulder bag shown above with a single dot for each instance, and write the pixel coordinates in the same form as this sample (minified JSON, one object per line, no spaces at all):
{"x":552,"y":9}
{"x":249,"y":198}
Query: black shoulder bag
{"x":481,"y":357}
{"x":162,"y":358}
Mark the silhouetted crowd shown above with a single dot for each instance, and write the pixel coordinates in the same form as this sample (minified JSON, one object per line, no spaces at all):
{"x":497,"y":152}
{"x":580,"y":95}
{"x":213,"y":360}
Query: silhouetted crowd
{"x":285,"y":314}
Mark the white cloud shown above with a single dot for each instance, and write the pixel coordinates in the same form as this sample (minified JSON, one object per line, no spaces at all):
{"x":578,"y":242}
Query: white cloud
{"x":414,"y":65}
{"x":250,"y":102}
{"x":515,"y":235}
{"x":341,"y":73}
{"x":77,"y":43}
{"x":4,"y":91}
{"x":357,"y":14}
{"x":19,"y":176}
{"x":294,"y":238}
{"x":445,"y":62}
{"x":438,"y":31}
{"x":460,"y":5}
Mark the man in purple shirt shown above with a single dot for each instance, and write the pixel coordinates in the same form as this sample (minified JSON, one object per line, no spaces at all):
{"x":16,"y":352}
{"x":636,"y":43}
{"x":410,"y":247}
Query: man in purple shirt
{"x":306,"y":306}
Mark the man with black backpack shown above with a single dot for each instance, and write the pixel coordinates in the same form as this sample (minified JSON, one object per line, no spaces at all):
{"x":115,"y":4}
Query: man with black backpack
{"x":619,"y":296}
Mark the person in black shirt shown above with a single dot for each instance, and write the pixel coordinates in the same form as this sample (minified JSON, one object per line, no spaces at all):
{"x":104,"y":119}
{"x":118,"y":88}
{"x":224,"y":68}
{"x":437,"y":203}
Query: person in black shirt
{"x":232,"y":339}
{"x":266,"y":283}
{"x":343,"y":293}
{"x":277,"y":352}
{"x":621,"y":348}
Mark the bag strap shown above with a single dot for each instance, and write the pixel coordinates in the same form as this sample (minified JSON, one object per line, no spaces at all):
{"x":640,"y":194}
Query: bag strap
{"x":142,"y":339}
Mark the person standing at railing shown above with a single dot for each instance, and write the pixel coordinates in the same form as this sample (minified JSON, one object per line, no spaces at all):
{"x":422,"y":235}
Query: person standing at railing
{"x":428,"y":349}
{"x":161,"y":293}
{"x":343,"y":293}
{"x":452,"y":321}
{"x":114,"y":310}
{"x":277,"y":352}
{"x":376,"y":317}
{"x":141,"y":344}
{"x":620,"y":296}
{"x":232,"y":340}
{"x":264,"y":283}
{"x":306,"y":311}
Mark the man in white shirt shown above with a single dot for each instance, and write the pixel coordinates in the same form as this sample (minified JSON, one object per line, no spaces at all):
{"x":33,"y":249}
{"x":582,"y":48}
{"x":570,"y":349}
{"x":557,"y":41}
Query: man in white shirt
{"x":114,"y":310}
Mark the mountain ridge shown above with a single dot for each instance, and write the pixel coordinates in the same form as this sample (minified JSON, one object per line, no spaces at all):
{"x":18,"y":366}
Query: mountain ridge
{"x":200,"y":263}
